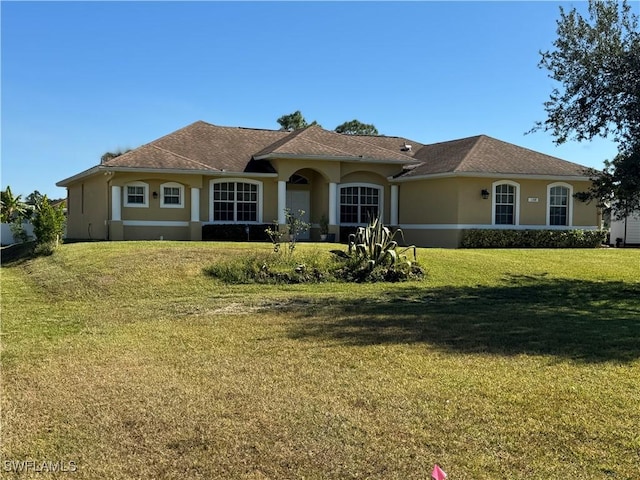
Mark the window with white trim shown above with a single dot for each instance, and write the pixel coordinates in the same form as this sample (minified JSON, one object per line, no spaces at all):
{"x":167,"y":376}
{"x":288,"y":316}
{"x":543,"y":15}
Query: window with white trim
{"x":171,"y":195}
{"x":236,"y":201}
{"x":559,"y":204}
{"x":360,"y":203}
{"x":505,"y":203}
{"x":136,"y":194}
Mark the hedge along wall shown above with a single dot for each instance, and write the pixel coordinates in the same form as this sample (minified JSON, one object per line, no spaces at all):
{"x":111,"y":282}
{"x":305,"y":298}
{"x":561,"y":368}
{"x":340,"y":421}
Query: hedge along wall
{"x":532,"y":238}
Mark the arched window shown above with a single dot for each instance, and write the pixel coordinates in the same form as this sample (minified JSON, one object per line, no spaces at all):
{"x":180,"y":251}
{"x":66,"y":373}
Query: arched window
{"x":136,"y":194}
{"x":360,"y":202}
{"x":236,"y":201}
{"x":506,"y":203}
{"x":559,"y":201}
{"x":172,"y":195}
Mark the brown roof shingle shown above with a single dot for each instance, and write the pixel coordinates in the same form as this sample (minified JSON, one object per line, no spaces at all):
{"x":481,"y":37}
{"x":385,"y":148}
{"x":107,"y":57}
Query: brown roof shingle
{"x":202,"y":146}
{"x":486,"y":155}
{"x":317,"y":142}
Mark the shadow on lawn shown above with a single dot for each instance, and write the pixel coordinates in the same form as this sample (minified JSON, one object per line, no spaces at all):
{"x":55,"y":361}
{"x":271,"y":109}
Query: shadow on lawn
{"x":580,"y":320}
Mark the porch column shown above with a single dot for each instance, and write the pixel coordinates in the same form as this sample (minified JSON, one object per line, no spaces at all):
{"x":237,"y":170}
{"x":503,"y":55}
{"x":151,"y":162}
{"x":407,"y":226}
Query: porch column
{"x":195,"y":204}
{"x":394,"y":205}
{"x":116,"y":228}
{"x":333,"y":203}
{"x":195,"y":226}
{"x":282,"y":202}
{"x":116,"y":203}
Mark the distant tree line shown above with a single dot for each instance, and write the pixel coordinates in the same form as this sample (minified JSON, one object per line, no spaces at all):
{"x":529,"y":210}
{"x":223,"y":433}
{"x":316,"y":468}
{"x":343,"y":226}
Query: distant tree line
{"x":296,"y":121}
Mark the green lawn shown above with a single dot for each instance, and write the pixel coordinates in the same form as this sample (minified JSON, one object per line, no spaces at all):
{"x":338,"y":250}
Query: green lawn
{"x":129,"y":361}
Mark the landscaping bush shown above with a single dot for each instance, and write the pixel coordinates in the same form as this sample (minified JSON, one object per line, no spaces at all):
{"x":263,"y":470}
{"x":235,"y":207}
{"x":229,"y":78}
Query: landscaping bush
{"x":48,"y":226}
{"x":532,"y":238}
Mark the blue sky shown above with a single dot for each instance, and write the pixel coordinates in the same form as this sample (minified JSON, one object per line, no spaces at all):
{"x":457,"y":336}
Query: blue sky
{"x":83,"y":78}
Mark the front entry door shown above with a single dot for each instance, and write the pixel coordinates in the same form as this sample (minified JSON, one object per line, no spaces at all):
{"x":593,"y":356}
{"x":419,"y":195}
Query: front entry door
{"x":300,"y":200}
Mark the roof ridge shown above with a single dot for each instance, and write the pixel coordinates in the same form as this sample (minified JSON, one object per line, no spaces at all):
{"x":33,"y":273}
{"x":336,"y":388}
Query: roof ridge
{"x":476,"y":143}
{"x":371,"y":144}
{"x":208,"y":167}
{"x":281,"y":141}
{"x":324,"y":145}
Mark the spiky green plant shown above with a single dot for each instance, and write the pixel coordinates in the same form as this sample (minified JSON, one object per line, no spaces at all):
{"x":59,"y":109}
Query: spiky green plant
{"x":375,"y":244}
{"x":373,"y":254}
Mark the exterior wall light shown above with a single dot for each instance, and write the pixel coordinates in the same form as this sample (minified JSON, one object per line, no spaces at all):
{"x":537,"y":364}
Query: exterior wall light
{"x":155,"y":194}
{"x":484,"y":193}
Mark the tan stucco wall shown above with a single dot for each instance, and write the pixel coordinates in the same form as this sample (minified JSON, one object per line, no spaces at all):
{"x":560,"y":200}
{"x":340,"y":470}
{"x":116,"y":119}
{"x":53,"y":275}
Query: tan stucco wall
{"x":423,"y":203}
{"x":87,"y":208}
{"x":156,"y":233}
{"x":286,"y":167}
{"x":378,"y":169}
{"x":154,"y":211}
{"x":459,"y":201}
{"x":432,"y":238}
{"x":428,"y":202}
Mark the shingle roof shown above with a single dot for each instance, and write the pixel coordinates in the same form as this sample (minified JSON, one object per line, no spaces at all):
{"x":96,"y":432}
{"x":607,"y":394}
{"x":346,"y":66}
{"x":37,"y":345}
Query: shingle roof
{"x":202,"y":146}
{"x":314,"y":141}
{"x":486,"y":155}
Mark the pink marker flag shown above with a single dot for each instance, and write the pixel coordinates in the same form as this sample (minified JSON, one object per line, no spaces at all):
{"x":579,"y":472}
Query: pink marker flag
{"x":438,"y":473}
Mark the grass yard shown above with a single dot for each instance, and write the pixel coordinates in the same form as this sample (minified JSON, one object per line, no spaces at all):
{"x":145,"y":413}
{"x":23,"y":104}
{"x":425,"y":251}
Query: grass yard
{"x":125,"y":360}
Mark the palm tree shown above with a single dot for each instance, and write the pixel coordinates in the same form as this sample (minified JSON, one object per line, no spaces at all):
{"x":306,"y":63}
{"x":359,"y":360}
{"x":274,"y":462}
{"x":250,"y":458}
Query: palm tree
{"x":12,"y":206}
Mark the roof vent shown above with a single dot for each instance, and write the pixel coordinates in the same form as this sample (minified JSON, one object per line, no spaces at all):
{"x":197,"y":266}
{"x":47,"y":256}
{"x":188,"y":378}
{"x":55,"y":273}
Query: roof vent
{"x":406,"y":147}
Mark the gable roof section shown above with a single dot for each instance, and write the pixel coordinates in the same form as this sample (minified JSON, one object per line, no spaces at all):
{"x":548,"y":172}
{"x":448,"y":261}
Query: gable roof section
{"x":315,"y":142}
{"x":488,"y":156}
{"x":202,"y":146}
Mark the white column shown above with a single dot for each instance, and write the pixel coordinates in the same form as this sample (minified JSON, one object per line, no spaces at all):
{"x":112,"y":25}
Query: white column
{"x":394,"y":205}
{"x":333,"y":203}
{"x":195,"y":204}
{"x":282,"y":202}
{"x":116,"y":203}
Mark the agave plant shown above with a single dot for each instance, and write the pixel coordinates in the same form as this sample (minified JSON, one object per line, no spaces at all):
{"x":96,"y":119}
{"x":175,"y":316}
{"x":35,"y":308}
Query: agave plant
{"x":375,"y":244}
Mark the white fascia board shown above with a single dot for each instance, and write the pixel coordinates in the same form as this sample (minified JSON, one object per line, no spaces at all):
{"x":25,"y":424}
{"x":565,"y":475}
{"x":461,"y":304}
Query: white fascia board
{"x":78,"y":176}
{"x":518,"y":176}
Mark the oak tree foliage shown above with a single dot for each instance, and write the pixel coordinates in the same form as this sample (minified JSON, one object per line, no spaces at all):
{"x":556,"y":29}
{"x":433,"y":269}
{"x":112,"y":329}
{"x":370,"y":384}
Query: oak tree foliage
{"x":596,"y":60}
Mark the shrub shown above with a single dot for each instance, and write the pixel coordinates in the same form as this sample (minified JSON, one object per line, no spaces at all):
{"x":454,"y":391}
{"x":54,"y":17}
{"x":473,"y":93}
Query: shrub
{"x":532,"y":238}
{"x":20,"y":235}
{"x":294,"y":227}
{"x":48,"y":223}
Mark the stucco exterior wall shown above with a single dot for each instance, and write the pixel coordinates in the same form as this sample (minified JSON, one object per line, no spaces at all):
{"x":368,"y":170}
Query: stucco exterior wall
{"x":428,"y":202}
{"x":432,"y":212}
{"x":445,"y":238}
{"x":428,"y":206}
{"x":87,"y":209}
{"x":156,"y":233}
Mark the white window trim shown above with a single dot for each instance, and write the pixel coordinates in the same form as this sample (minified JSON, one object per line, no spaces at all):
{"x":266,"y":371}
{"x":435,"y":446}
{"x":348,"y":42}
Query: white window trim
{"x":516,"y":206}
{"x":235,"y":180}
{"x":172,"y":185}
{"x":125,"y":191}
{"x":380,"y":189}
{"x":569,"y":202}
